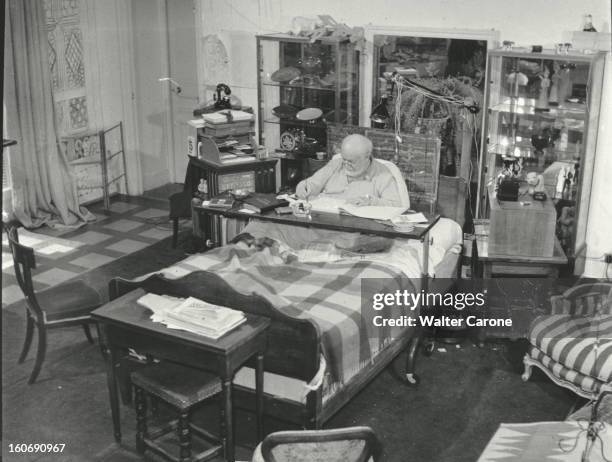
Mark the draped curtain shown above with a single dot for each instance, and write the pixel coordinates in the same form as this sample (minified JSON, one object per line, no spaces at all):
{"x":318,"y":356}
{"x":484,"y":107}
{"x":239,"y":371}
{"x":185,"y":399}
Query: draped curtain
{"x":43,"y":187}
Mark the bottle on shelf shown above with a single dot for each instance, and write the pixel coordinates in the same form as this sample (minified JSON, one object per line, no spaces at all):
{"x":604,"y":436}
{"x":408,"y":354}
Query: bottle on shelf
{"x":562,"y":146}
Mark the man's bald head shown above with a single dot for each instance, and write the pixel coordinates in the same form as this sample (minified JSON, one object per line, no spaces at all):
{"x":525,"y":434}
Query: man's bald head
{"x":356,"y":153}
{"x":357,"y":145}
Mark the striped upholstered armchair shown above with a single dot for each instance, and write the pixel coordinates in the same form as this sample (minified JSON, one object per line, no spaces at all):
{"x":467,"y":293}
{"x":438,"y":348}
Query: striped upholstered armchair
{"x":573,"y":345}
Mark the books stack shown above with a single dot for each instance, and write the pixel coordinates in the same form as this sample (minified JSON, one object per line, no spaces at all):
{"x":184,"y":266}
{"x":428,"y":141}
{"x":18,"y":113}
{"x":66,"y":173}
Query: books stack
{"x":192,"y":315}
{"x":224,"y":201}
{"x":262,"y":203}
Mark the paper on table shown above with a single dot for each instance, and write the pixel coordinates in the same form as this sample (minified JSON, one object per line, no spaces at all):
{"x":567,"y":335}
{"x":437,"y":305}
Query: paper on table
{"x":374,"y":212}
{"x":327,"y":204}
{"x":159,"y":304}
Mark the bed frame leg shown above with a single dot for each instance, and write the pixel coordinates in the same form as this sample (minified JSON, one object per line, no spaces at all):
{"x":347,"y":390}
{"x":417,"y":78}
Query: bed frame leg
{"x":412,"y":379}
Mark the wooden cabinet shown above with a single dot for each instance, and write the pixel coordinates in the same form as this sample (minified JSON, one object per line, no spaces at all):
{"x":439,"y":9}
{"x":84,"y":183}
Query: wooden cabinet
{"x":543,"y":117}
{"x":523,"y":228}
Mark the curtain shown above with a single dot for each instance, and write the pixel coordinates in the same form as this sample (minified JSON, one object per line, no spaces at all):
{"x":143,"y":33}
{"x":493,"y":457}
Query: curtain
{"x":43,"y":187}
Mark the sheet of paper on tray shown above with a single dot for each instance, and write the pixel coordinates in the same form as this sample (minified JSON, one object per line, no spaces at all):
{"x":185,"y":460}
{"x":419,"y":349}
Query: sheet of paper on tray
{"x":413,"y":218}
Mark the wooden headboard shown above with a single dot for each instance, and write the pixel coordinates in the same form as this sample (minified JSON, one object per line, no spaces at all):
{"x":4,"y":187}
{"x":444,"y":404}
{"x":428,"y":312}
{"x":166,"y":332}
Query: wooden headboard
{"x":419,"y":162}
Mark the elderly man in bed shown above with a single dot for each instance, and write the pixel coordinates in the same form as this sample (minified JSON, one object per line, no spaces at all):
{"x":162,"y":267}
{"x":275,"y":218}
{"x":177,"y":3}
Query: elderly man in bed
{"x":355,"y":176}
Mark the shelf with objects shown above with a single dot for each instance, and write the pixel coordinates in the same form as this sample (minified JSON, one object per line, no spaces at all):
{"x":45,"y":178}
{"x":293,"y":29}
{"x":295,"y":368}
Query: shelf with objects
{"x":303,"y":84}
{"x":541,"y":124}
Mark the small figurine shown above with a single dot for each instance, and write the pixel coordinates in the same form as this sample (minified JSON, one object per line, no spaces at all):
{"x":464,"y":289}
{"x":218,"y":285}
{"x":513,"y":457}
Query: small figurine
{"x":542,"y":102}
{"x":202,"y":193}
{"x":588,"y":24}
{"x":532,"y":181}
{"x":553,"y":97}
{"x":565,"y":224}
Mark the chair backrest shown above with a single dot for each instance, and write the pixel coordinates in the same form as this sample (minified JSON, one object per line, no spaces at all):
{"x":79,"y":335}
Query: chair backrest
{"x":352,"y":444}
{"x":24,"y":262}
{"x":589,"y":299}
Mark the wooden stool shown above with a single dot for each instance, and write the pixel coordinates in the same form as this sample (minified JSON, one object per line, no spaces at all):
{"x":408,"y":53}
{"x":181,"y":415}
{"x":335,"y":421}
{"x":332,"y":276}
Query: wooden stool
{"x":183,"y":388}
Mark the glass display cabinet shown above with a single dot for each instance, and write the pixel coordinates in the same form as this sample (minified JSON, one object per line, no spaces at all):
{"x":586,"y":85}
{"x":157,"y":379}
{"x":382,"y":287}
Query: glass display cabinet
{"x":302,"y":85}
{"x":541,"y":126}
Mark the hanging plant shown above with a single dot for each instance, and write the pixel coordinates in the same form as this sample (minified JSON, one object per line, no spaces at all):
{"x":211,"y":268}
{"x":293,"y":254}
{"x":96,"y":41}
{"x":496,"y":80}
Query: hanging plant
{"x":420,"y":113}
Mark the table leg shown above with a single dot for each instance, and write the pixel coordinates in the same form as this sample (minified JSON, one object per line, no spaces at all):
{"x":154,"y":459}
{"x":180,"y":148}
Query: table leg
{"x":111,"y":380}
{"x":425,"y":261}
{"x":259,"y":378}
{"x":227,"y":422}
{"x":487,"y":275}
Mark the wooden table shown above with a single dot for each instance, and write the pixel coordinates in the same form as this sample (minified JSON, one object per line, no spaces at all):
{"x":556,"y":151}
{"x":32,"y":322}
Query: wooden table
{"x":512,"y":266}
{"x":124,"y":324}
{"x":330,"y":221}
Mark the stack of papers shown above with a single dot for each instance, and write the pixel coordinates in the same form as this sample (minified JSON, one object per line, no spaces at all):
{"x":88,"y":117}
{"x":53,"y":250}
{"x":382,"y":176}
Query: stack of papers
{"x":373,"y":212}
{"x":221,"y":117}
{"x":192,"y":315}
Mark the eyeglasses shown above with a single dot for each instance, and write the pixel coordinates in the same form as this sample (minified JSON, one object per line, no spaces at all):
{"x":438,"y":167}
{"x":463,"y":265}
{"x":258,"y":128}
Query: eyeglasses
{"x":354,"y":163}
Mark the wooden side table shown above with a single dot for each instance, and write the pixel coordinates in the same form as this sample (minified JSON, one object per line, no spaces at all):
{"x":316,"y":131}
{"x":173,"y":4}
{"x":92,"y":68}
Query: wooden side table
{"x":520,"y":298}
{"x":123,"y":324}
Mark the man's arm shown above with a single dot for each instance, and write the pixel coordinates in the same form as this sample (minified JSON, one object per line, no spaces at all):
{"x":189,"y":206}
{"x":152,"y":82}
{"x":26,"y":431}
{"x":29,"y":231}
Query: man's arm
{"x":387,"y":193}
{"x":313,"y":185}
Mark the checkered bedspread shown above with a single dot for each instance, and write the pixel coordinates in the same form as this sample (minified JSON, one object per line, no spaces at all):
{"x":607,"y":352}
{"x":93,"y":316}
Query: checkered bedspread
{"x":329,"y":294}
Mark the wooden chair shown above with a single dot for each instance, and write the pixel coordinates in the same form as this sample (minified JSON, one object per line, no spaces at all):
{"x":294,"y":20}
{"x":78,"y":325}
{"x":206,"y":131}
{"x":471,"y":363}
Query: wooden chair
{"x":352,"y":444}
{"x":64,"y":305}
{"x":180,"y":207}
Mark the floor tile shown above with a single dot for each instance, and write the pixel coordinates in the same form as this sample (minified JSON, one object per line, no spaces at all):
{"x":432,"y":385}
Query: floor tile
{"x":123,"y":225}
{"x":91,"y":237}
{"x":92,"y":260}
{"x":55,"y":250}
{"x":156,"y":233}
{"x":29,"y":241}
{"x":11,"y":294}
{"x":54,"y":276}
{"x":101,"y":217}
{"x":7,"y":260}
{"x":127,"y":246}
{"x":152,"y":213}
{"x":121,"y":207}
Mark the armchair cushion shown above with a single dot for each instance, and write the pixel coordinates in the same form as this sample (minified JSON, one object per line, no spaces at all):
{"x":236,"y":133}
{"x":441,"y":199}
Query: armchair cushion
{"x":584,"y":382}
{"x":581,"y":344}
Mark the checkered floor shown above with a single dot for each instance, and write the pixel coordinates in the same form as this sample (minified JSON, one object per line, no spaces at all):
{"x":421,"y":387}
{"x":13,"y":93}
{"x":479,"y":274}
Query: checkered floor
{"x":133,"y":224}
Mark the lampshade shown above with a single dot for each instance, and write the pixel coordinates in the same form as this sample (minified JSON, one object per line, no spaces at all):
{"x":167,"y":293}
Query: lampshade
{"x":380,"y":115}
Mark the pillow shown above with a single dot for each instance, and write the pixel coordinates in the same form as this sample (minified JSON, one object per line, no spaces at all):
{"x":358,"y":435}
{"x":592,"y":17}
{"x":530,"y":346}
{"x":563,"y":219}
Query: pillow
{"x":445,"y":234}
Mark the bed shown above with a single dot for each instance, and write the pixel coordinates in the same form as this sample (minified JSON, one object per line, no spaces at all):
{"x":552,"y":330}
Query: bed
{"x":306,"y":379}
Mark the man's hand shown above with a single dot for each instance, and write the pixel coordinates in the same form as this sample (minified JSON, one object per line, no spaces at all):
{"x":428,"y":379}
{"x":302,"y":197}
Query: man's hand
{"x":301,"y":191}
{"x":361,"y":201}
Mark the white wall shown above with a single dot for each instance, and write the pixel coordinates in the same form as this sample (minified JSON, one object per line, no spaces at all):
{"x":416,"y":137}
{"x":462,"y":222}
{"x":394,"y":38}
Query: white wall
{"x":526,"y":22}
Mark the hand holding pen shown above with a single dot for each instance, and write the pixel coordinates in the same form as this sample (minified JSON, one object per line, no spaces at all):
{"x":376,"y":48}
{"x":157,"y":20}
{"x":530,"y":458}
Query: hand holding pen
{"x":302,"y":191}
